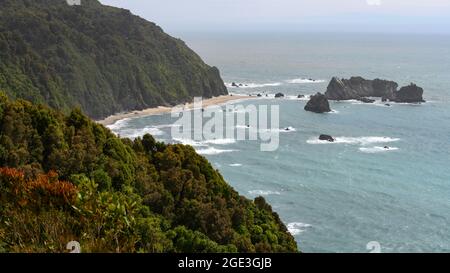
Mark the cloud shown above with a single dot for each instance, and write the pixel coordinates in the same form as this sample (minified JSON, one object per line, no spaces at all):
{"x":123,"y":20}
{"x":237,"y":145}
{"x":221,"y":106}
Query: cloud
{"x":374,"y":2}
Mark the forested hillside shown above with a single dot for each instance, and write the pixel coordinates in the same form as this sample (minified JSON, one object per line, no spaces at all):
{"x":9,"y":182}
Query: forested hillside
{"x":65,"y":177}
{"x":102,"y":59}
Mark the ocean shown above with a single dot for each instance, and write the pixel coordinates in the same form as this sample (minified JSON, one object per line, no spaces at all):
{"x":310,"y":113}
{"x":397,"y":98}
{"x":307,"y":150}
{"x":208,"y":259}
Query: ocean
{"x":337,"y":197}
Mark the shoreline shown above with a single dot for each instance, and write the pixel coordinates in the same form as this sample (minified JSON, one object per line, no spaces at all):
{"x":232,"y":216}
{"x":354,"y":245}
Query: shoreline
{"x":220,"y":100}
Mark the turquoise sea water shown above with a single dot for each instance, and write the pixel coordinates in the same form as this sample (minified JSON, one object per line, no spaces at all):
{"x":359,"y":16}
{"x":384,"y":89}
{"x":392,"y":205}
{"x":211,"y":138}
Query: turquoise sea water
{"x":338,"y":197}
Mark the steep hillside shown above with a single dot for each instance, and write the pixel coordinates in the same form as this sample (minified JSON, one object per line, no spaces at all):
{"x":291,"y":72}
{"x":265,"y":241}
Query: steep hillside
{"x":102,"y":59}
{"x":65,"y":177}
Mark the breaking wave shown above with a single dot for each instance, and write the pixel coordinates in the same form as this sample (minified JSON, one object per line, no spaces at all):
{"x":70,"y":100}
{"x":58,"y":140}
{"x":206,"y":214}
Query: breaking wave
{"x":303,"y":80}
{"x":296,"y":228}
{"x":213,"y":151}
{"x":264,"y":193}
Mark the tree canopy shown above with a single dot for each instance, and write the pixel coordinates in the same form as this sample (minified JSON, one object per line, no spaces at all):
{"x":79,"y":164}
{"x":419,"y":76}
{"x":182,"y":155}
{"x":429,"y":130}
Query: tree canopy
{"x":64,"y":177}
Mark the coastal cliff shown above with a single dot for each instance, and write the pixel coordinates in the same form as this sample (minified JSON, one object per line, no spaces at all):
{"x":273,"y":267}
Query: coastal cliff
{"x":99,"y":58}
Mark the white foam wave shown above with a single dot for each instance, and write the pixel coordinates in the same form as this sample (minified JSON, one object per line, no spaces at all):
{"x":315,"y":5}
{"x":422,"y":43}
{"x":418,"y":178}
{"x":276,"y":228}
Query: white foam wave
{"x":221,"y":141}
{"x":377,"y":149}
{"x":303,"y":80}
{"x":253,"y":85}
{"x":263,"y":193}
{"x":296,"y":228}
{"x":213,"y":151}
{"x":289,"y":129}
{"x":190,"y":142}
{"x":235,"y":165}
{"x":204,"y":143}
{"x":135,"y":133}
{"x":355,"y":140}
{"x":167,"y":126}
{"x":118,"y":124}
{"x":305,"y":98}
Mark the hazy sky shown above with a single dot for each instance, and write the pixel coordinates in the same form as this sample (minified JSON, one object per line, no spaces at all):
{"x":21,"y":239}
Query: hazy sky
{"x":294,"y":15}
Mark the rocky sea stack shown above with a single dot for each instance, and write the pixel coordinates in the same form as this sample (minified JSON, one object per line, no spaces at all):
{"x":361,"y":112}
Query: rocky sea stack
{"x":411,"y":93}
{"x":318,"y":104}
{"x":327,"y":138}
{"x":358,"y":88}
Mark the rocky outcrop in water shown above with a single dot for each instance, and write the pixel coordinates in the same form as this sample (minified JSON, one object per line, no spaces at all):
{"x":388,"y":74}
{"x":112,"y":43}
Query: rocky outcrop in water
{"x":410,"y":94}
{"x":358,"y":88}
{"x":279,"y":95}
{"x":326,"y":138}
{"x":318,"y":104}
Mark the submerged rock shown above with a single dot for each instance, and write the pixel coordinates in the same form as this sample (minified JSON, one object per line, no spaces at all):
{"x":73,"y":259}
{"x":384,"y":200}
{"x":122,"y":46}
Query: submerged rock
{"x":318,"y":104}
{"x":326,"y":138}
{"x":279,"y":95}
{"x":366,"y":100}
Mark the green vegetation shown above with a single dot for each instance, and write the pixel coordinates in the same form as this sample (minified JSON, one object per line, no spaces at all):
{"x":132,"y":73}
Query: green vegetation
{"x":65,"y":177}
{"x":101,"y":59}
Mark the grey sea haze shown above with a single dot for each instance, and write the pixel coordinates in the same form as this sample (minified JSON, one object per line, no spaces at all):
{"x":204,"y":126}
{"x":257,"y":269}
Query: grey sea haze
{"x":337,"y":197}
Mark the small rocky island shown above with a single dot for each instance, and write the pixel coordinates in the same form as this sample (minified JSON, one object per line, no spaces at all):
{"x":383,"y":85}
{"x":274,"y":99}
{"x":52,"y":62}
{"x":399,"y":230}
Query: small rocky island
{"x":358,"y":88}
{"x":318,"y":104}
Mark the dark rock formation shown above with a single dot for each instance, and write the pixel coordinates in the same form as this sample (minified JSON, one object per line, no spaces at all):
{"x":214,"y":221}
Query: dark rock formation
{"x":409,"y":94}
{"x":279,"y":95}
{"x":366,"y":100}
{"x":300,"y":96}
{"x":357,"y":87}
{"x":327,"y":138}
{"x":318,"y":104}
{"x":234,"y":84}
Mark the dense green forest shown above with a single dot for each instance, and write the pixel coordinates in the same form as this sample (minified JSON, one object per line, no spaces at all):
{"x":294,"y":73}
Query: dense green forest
{"x":102,"y":59}
{"x":64,"y":177}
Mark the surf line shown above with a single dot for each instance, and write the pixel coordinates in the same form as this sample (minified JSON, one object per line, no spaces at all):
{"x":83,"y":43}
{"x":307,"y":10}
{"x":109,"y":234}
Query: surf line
{"x":214,"y":122}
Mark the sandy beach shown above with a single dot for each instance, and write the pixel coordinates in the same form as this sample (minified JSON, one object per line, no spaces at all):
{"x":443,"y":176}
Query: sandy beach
{"x":163,"y":110}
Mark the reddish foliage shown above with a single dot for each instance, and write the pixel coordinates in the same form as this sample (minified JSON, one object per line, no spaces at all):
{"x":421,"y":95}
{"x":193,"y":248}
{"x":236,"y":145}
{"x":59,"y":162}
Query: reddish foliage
{"x":44,"y":190}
